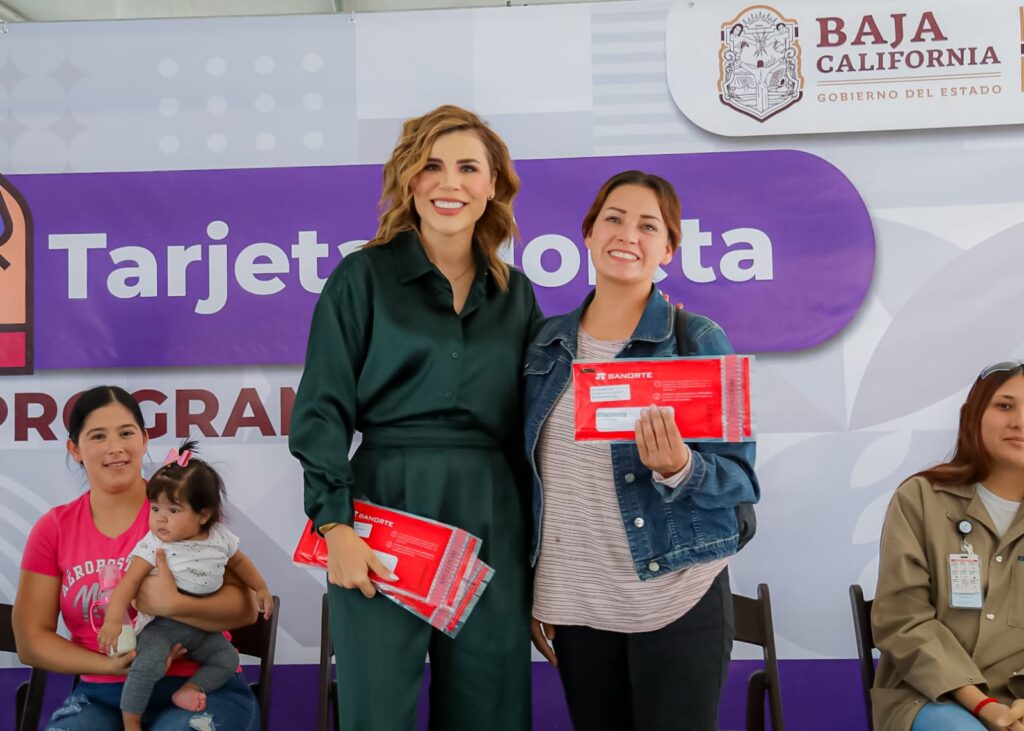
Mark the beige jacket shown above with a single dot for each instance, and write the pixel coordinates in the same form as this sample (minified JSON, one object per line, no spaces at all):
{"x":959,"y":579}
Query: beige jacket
{"x":929,"y":648}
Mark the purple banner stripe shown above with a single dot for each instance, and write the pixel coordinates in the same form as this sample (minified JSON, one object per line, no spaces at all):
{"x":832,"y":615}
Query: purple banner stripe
{"x":777,"y":246}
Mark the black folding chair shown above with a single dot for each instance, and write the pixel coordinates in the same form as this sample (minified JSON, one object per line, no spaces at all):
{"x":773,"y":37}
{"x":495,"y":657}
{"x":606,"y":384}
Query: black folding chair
{"x":753,"y":618}
{"x":327,"y":687}
{"x":259,"y":640}
{"x":28,"y":700}
{"x":865,"y":644}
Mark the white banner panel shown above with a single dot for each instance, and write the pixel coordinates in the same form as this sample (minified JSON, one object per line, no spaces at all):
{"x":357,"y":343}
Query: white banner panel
{"x":840,"y":424}
{"x":801,"y":66}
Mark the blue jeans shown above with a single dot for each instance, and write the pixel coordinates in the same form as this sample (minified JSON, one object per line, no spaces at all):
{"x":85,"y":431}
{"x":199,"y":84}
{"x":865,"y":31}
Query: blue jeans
{"x":96,"y":707}
{"x":945,"y":717}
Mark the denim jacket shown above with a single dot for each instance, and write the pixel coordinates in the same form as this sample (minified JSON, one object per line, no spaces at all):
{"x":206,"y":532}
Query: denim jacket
{"x":667,"y":528}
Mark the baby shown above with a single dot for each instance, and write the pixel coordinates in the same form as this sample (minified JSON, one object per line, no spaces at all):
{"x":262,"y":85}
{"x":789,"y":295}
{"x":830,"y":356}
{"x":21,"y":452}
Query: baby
{"x":185,"y":521}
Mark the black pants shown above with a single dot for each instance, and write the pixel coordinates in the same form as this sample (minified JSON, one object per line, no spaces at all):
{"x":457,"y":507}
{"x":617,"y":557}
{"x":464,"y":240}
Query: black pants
{"x":668,"y":679}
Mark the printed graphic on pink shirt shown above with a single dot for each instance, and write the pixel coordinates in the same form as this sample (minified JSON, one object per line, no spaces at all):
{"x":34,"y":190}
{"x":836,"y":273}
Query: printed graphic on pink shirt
{"x":66,"y":543}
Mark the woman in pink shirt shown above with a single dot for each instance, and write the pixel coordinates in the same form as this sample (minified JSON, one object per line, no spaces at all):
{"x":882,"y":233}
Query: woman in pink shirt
{"x":64,"y":555}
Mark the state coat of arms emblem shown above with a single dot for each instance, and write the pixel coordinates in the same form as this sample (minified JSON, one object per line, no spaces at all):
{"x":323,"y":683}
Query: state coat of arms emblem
{"x":759,"y":63}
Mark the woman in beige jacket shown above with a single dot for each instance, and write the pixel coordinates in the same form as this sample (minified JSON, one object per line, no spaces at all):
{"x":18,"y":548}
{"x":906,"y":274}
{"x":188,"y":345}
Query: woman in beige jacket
{"x":953,"y":648}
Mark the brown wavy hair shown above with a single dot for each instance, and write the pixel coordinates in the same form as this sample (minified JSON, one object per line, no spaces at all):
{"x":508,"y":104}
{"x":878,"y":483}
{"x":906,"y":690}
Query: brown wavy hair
{"x":668,"y":202}
{"x":398,"y":213}
{"x":970,"y":461}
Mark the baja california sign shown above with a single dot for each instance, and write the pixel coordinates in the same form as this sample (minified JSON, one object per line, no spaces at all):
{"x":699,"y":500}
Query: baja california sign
{"x":799,"y":67}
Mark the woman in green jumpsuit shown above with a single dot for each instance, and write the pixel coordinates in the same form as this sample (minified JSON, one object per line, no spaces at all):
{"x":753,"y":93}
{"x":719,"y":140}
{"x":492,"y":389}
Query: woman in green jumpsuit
{"x":417,"y":342}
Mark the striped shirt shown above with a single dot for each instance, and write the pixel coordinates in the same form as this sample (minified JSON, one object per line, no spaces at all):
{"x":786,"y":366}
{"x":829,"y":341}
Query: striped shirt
{"x":585,"y":573}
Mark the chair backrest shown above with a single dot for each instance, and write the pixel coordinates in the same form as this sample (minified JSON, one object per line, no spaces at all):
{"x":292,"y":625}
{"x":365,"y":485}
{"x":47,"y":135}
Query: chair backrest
{"x":753,"y":621}
{"x":29,"y":700}
{"x":28,"y":704}
{"x":327,"y":698}
{"x":865,"y":644}
{"x":259,"y":640}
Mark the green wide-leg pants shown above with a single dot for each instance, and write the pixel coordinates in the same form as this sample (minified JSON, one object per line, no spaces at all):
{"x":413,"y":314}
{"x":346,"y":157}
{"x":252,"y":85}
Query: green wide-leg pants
{"x":479,"y":680}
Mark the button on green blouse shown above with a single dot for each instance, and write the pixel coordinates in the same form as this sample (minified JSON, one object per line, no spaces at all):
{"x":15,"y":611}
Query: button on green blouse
{"x":388,"y":356}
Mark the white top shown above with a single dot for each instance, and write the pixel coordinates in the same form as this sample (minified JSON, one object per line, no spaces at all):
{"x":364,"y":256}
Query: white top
{"x":197,"y":566}
{"x":585,"y":574}
{"x":1001,"y":510}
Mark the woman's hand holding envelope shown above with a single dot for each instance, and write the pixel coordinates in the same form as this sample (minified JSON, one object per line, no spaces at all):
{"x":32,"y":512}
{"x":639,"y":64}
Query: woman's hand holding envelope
{"x":350,"y":561}
{"x":661,"y":447}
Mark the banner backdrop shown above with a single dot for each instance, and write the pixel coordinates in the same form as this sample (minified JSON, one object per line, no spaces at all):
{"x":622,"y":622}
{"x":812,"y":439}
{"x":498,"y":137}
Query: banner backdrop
{"x":237,"y":257}
{"x":895,"y":262}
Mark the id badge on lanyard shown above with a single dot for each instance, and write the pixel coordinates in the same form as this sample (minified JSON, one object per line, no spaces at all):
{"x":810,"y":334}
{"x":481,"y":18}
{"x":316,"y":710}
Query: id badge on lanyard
{"x":965,"y":575}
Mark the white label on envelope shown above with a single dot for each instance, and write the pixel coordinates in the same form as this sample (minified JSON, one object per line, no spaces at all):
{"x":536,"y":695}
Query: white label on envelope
{"x":389,"y":560}
{"x":619,"y":392}
{"x":618,"y":419}
{"x":362,"y":529}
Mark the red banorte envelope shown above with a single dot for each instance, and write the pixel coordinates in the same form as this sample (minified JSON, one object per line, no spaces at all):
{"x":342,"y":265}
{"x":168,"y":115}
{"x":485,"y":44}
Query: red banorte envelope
{"x":450,"y":617}
{"x":425,"y":554}
{"x":710,"y":396}
{"x":440,"y":577}
{"x":311,"y":549}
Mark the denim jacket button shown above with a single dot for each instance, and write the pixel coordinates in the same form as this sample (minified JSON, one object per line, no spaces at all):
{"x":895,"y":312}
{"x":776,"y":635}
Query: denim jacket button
{"x":654,"y":566}
{"x":638,"y":522}
{"x":630,"y":478}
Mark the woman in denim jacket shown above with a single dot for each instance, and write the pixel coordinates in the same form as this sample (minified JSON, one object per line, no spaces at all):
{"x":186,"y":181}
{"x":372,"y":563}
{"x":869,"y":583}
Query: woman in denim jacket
{"x":631,"y":591}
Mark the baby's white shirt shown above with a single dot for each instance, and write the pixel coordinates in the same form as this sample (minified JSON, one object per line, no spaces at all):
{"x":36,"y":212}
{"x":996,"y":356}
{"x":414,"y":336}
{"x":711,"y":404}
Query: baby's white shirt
{"x":197,"y":566}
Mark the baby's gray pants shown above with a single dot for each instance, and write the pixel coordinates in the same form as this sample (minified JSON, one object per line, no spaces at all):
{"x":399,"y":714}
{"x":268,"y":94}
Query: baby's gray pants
{"x":217,"y":659}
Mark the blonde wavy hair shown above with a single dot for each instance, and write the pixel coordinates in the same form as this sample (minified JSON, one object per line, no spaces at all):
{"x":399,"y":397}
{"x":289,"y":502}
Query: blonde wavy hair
{"x":397,"y":211}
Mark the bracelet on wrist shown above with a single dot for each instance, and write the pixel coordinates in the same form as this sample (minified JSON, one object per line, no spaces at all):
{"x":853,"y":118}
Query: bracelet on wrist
{"x":981,"y":704}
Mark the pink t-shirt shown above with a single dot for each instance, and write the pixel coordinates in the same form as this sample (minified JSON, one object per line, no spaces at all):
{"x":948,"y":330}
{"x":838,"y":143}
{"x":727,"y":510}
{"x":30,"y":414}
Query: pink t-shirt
{"x":66,"y":543}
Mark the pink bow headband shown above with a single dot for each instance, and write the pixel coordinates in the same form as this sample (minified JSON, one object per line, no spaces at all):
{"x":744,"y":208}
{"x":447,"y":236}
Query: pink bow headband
{"x":181,"y":458}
